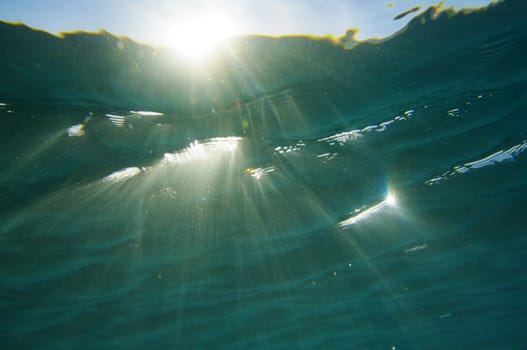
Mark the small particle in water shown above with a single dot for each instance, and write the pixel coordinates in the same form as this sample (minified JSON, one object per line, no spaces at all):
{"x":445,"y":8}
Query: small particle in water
{"x":350,"y":265}
{"x":445,"y":315}
{"x":393,"y":347}
{"x":334,"y":273}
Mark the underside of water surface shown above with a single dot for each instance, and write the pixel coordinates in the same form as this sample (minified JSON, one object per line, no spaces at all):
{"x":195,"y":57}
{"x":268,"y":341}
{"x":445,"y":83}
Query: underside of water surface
{"x":291,"y":194}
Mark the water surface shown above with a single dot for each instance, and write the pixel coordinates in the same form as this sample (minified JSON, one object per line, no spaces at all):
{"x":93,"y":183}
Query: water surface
{"x":149,"y":203}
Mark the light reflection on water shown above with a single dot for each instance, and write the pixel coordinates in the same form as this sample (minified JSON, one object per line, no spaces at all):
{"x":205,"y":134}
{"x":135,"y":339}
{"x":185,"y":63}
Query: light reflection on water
{"x":361,"y":214}
{"x":259,"y":172}
{"x":122,"y":175}
{"x":76,"y":130}
{"x":348,"y":136}
{"x":497,"y":157}
{"x":208,"y":149}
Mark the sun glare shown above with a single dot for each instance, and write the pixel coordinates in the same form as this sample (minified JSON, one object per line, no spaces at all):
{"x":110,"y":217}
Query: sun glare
{"x":197,"y":36}
{"x":390,"y":199}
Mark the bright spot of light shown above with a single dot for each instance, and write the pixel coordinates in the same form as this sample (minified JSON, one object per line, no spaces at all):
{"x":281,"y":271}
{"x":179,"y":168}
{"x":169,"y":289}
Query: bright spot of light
{"x":122,"y":175}
{"x":390,"y":199}
{"x":257,"y":173}
{"x":198,"y":35}
{"x":361,"y":214}
{"x":76,"y":130}
{"x":206,"y":150}
{"x":147,"y":113}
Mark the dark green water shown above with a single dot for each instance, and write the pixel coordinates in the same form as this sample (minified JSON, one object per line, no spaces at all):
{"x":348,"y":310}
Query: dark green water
{"x":251,"y":211}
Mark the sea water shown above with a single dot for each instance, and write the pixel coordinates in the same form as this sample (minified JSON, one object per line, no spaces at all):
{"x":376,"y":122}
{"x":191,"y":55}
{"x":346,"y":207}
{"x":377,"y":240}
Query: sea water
{"x":292,"y":194}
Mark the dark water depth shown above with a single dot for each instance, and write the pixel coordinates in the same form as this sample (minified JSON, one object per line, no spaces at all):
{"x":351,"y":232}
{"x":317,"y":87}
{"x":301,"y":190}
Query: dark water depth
{"x":290,"y":195}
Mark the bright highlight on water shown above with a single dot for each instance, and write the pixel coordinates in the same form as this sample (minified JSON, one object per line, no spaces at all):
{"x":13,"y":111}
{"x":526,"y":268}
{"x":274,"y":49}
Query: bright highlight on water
{"x":361,"y":214}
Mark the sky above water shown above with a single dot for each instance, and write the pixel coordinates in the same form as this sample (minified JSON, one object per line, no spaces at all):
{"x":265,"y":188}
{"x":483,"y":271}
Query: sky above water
{"x":164,"y":22}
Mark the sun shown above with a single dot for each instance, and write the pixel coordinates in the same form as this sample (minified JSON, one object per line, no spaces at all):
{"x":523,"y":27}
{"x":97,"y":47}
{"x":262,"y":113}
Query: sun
{"x":195,"y":37}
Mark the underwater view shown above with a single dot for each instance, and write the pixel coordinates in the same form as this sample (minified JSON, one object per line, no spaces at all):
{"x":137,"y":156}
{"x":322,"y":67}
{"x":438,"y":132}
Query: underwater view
{"x":292,"y":192}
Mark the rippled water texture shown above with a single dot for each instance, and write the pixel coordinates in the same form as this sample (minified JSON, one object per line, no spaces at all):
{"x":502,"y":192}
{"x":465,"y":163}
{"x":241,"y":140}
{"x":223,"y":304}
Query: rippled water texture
{"x":290,"y":195}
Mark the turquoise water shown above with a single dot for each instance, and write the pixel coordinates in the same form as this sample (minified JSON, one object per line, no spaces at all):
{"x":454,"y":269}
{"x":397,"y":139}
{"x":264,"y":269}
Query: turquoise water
{"x":290,"y":195}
